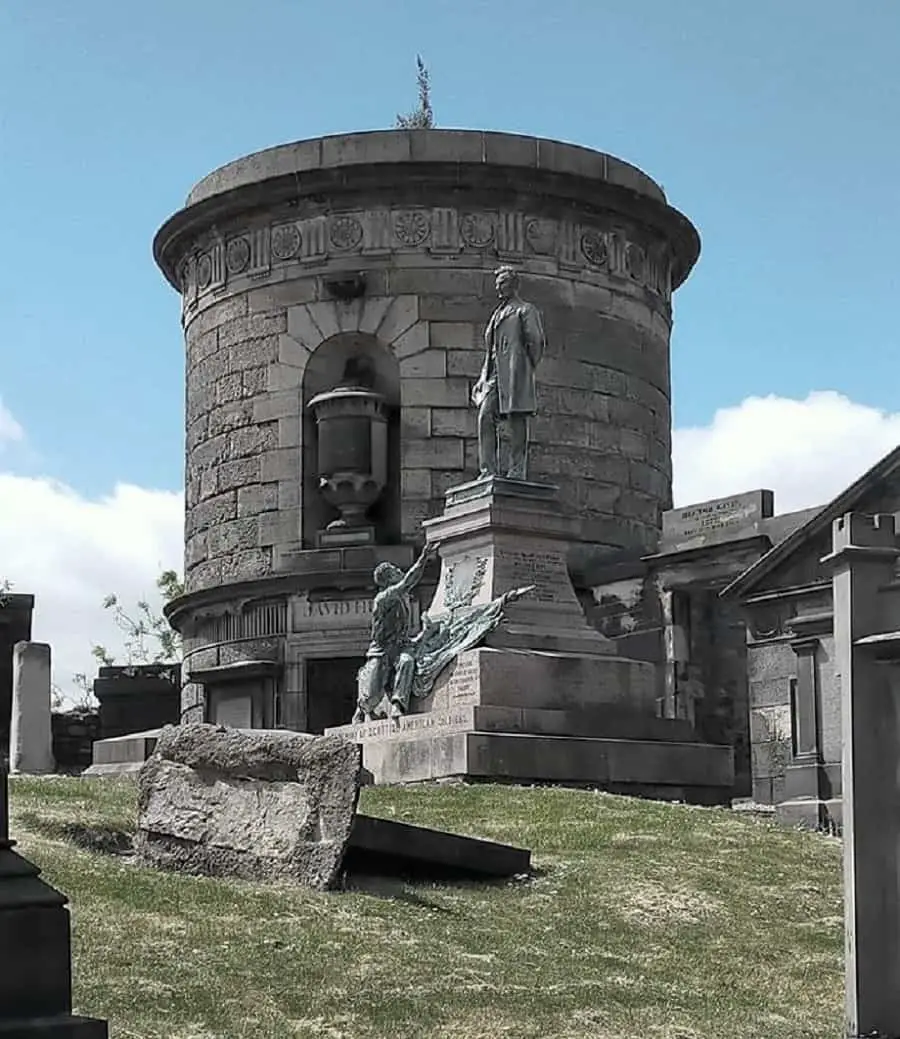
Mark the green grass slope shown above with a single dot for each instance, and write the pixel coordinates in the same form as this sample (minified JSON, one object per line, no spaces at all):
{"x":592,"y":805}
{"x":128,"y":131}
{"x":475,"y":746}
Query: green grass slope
{"x":645,"y":920}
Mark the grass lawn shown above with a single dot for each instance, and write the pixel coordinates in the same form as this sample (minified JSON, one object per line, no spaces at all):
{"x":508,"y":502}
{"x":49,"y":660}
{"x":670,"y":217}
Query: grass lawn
{"x":645,"y":921}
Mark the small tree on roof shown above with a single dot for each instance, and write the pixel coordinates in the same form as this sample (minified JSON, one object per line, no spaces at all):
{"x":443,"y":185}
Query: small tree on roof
{"x":423,"y":117}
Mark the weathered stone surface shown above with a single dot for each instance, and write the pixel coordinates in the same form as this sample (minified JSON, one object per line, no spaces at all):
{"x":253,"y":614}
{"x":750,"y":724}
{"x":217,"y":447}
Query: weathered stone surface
{"x":600,"y":259}
{"x":30,"y":737}
{"x":721,"y":519}
{"x":258,"y":804}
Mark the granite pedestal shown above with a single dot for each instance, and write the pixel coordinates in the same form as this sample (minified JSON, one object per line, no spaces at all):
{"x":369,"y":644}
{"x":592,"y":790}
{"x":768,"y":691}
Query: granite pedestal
{"x":545,"y":698}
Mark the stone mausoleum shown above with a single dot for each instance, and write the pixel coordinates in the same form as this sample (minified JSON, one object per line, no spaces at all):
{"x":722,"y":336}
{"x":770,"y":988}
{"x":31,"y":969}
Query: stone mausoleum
{"x":345,"y":282}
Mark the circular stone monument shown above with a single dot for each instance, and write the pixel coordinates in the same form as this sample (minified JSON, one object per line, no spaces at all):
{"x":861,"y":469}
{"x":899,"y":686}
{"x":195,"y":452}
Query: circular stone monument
{"x":376,"y":250}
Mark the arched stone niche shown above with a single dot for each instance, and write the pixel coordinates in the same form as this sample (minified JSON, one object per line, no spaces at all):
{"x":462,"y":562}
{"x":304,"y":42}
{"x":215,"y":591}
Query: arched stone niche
{"x":324,"y":371}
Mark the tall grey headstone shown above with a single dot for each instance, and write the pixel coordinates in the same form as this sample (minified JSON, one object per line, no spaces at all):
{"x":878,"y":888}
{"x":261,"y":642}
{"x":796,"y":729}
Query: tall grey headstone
{"x":30,"y":734}
{"x":867,"y":651}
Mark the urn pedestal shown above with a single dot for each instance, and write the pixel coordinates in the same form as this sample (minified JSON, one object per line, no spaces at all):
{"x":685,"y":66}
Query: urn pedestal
{"x":351,"y":422}
{"x":545,"y":699}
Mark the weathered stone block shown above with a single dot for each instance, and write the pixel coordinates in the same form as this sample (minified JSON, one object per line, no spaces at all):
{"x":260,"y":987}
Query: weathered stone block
{"x":279,"y":528}
{"x":211,"y":512}
{"x":325,"y":316}
{"x":302,"y":327}
{"x":234,"y":536}
{"x":415,"y":484}
{"x":253,"y":353}
{"x":400,"y":315}
{"x":257,"y":498}
{"x":415,"y":340}
{"x":281,"y":294}
{"x":238,"y":473}
{"x":258,"y":805}
{"x":245,"y":566}
{"x":280,"y":464}
{"x":453,"y":422}
{"x":434,"y":453}
{"x":467,"y":363}
{"x":429,"y":364}
{"x":215,"y":314}
{"x":415,"y":422}
{"x":435,"y":393}
{"x":276,"y":405}
{"x":462,"y":336}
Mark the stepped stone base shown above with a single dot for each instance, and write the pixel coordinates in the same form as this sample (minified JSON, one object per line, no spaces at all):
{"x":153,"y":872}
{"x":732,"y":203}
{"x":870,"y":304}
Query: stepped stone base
{"x":122,"y":755}
{"x":657,"y":768}
{"x":546,"y":699}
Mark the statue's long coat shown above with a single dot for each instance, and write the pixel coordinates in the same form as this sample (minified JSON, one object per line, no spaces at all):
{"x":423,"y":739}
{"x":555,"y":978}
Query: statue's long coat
{"x":514,"y":341}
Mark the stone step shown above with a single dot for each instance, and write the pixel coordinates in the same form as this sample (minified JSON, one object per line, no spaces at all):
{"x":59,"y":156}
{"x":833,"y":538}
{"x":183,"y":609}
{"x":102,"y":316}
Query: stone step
{"x":697,"y":772}
{"x":603,"y":721}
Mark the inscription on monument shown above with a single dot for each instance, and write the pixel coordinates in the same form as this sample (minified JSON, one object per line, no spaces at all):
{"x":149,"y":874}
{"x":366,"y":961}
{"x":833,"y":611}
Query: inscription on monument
{"x":445,"y":720}
{"x":331,"y":613}
{"x":463,"y":683}
{"x":719,"y":519}
{"x":538,"y":568}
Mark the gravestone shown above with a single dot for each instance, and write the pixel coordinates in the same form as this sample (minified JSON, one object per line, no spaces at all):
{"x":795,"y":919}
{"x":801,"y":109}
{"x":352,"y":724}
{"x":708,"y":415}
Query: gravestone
{"x":867,"y":654}
{"x":35,"y":950}
{"x":31,"y":735}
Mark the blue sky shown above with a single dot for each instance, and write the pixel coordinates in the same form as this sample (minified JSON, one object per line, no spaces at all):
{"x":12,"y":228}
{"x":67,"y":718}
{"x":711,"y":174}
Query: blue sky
{"x":771,"y":124}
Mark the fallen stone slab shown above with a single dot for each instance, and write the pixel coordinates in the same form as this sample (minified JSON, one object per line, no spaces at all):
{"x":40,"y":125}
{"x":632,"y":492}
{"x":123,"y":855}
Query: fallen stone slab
{"x":248,"y":803}
{"x":384,"y":847}
{"x":259,"y":804}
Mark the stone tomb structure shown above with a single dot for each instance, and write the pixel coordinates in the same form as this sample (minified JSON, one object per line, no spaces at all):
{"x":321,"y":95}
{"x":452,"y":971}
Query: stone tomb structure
{"x":334,"y":298}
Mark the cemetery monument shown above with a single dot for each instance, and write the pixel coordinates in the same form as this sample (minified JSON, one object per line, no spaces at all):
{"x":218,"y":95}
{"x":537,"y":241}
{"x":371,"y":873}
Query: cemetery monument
{"x":335,"y":297}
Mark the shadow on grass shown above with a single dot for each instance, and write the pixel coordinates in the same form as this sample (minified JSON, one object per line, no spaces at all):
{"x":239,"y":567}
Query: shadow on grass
{"x":410,"y":886}
{"x":104,"y":840}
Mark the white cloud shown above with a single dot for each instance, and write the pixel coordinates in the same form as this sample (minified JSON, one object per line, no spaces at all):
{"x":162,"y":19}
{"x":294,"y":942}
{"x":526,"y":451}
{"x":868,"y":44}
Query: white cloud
{"x":806,"y":451}
{"x":9,"y":427}
{"x":71,"y":551}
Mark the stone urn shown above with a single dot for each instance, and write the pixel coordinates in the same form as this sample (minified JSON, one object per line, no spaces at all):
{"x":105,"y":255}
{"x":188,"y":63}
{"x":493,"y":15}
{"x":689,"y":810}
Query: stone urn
{"x":351,"y":422}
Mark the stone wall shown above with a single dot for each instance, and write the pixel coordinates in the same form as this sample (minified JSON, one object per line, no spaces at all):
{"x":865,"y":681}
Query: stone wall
{"x":258,"y":304}
{"x":269,"y":255}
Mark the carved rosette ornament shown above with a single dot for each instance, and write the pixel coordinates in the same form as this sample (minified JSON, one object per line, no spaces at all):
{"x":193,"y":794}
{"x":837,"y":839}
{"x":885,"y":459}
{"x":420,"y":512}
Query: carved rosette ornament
{"x":541,"y":236}
{"x":345,"y":232}
{"x":595,"y":248}
{"x":314,"y":238}
{"x":286,"y":241}
{"x":204,"y":270}
{"x":477,"y":229}
{"x":412,"y":227}
{"x":351,"y":422}
{"x":237,"y":255}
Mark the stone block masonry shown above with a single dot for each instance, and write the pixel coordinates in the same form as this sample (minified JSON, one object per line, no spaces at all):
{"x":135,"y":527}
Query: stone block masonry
{"x":263,"y":258}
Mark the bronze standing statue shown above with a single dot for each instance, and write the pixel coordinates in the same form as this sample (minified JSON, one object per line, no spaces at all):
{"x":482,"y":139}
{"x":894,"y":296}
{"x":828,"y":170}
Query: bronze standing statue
{"x":505,"y":391}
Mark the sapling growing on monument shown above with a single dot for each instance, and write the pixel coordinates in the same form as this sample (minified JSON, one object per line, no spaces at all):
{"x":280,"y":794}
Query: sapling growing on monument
{"x":423,"y":116}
